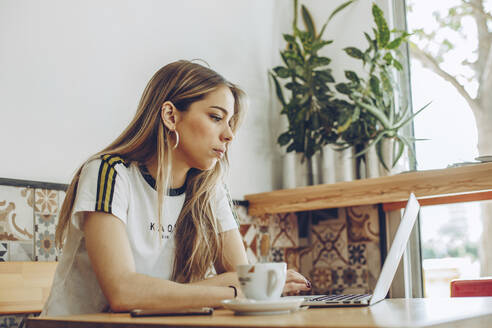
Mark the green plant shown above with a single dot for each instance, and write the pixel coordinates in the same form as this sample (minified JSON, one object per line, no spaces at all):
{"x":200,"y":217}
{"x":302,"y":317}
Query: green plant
{"x":371,"y":113}
{"x":309,"y":109}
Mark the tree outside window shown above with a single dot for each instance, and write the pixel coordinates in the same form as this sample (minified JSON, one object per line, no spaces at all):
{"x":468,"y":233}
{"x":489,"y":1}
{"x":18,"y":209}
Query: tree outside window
{"x":451,"y":58}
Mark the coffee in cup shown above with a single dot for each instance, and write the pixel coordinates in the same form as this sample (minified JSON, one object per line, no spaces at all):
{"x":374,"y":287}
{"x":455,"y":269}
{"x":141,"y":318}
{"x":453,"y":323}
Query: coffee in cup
{"x":262,"y":281}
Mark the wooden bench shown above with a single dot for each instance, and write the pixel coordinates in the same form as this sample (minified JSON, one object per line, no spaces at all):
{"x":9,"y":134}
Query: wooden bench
{"x":25,"y":286}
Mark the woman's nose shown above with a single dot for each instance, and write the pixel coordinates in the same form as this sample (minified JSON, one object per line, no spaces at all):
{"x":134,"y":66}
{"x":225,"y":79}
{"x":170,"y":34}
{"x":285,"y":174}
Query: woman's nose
{"x":228,"y":135}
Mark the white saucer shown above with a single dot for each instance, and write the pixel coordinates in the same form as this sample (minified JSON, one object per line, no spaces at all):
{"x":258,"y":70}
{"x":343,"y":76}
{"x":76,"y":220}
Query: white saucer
{"x":486,"y":158}
{"x":253,"y":307}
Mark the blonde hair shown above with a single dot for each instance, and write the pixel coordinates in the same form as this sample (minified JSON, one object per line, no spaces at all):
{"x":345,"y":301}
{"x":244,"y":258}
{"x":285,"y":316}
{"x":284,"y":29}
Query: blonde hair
{"x":197,"y":240}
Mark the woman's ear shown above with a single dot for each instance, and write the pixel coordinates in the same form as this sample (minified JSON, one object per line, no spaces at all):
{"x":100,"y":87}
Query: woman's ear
{"x":169,"y":115}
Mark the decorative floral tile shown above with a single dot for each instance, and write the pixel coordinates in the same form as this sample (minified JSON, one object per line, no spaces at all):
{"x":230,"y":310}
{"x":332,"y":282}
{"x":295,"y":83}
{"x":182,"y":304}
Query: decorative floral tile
{"x":357,"y":253}
{"x":278,"y":254}
{"x":4,"y":252}
{"x":46,"y":221}
{"x":351,"y":279}
{"x":363,"y":223}
{"x":329,"y":244}
{"x":16,"y":213}
{"x":11,"y":321}
{"x":44,"y":245}
{"x":249,"y":235}
{"x":46,"y":201}
{"x":321,"y":280}
{"x":21,"y":251}
{"x":284,"y":230}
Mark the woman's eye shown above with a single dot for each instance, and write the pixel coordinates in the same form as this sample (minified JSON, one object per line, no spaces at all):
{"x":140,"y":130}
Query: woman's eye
{"x":216,"y":118}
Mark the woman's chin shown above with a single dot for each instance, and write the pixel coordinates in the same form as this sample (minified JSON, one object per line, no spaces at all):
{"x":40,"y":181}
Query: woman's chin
{"x":206,"y":166}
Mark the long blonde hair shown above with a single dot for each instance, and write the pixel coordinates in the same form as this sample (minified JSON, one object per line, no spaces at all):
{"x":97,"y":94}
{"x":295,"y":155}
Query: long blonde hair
{"x":197,"y":240}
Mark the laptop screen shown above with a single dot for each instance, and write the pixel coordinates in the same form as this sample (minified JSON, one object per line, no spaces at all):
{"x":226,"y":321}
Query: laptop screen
{"x":396,"y":251}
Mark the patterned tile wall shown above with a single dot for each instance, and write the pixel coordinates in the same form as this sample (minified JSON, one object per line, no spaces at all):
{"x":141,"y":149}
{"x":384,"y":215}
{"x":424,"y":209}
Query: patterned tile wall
{"x":343,"y":246}
{"x":28,"y":219}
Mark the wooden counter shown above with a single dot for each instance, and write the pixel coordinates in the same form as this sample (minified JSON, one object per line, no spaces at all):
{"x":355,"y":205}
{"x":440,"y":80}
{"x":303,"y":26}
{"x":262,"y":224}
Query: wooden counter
{"x":470,"y":312}
{"x":466,"y":183}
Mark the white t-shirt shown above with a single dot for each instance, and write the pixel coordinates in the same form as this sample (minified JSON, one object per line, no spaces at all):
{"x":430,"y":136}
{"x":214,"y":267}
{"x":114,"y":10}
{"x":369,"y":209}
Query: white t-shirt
{"x":126,"y":191}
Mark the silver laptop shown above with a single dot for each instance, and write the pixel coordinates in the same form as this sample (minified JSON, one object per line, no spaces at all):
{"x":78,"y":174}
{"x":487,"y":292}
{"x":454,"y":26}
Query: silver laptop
{"x":387,"y":273}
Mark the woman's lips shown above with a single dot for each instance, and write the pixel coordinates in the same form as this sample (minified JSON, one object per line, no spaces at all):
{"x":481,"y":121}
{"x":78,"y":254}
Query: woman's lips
{"x":219,"y":152}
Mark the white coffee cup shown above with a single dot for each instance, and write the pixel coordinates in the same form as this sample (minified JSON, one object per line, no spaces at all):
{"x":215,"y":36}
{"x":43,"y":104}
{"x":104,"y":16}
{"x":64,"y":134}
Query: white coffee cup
{"x":262,"y":281}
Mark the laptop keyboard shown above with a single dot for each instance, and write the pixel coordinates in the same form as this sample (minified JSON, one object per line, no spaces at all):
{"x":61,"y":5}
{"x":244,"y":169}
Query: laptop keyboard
{"x":340,"y":298}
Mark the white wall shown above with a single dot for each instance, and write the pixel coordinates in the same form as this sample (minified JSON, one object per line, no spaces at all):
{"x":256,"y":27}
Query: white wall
{"x":72,"y":72}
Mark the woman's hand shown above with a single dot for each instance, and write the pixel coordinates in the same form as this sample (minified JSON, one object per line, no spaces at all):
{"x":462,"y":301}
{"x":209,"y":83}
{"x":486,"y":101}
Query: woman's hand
{"x":295,"y":283}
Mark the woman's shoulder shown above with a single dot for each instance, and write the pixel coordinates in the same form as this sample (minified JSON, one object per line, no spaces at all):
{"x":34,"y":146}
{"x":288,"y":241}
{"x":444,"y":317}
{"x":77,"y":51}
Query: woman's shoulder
{"x":106,"y":163}
{"x":110,"y":160}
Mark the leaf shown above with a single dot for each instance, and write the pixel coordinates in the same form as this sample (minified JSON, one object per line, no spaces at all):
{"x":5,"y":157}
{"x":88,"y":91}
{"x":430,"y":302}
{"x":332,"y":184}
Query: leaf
{"x":333,"y":14}
{"x":294,"y":86}
{"x":289,"y":38}
{"x":383,"y":33}
{"x":379,"y":152}
{"x":395,"y":43}
{"x":410,"y":147}
{"x":339,"y":8}
{"x":401,"y":147}
{"x":291,"y":59}
{"x":387,"y":87}
{"x":405,"y":121}
{"x":316,"y":61}
{"x":299,"y":71}
{"x":284,"y":138}
{"x":369,"y":39}
{"x":324,"y":76}
{"x":352,"y":76}
{"x":343,"y":88}
{"x":308,"y":22}
{"x":374,"y":141}
{"x":281,"y":72}
{"x":278,"y":90}
{"x":397,"y":65}
{"x":318,"y":44}
{"x":343,"y":127}
{"x":374,"y":84}
{"x":388,"y":58}
{"x":354,"y":52}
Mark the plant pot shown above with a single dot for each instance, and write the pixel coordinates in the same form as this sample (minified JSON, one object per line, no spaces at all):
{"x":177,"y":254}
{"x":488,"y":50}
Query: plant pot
{"x":337,"y":166}
{"x":298,"y":173}
{"x":371,"y":163}
{"x":388,"y":153}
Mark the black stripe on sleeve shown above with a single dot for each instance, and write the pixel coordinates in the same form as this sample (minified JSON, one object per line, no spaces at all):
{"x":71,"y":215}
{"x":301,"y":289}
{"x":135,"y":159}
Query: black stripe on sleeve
{"x":112,"y":191}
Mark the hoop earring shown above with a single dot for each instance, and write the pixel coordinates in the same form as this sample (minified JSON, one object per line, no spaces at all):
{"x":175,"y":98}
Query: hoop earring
{"x":177,"y":139}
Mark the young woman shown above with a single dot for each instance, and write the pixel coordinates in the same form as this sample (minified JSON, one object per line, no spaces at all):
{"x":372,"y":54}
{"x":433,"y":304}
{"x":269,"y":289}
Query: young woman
{"x":147,"y":220}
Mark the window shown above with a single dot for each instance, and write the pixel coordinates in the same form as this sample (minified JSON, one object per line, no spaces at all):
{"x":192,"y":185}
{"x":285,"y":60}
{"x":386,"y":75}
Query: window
{"x":445,"y":42}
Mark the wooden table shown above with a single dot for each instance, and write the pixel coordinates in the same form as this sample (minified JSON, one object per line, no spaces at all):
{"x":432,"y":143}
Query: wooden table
{"x":467,"y":312}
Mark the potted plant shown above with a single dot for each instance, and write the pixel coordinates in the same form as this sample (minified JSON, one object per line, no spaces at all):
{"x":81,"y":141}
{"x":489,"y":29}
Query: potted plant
{"x":309,"y":108}
{"x":371,"y":115}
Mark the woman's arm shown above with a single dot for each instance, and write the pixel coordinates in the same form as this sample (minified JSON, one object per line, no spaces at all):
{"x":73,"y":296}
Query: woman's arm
{"x":233,"y":252}
{"x":112,"y":260}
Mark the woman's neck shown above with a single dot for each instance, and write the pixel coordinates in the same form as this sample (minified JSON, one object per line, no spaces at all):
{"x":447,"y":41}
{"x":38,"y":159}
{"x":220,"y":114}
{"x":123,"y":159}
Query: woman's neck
{"x":178,"y":173}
